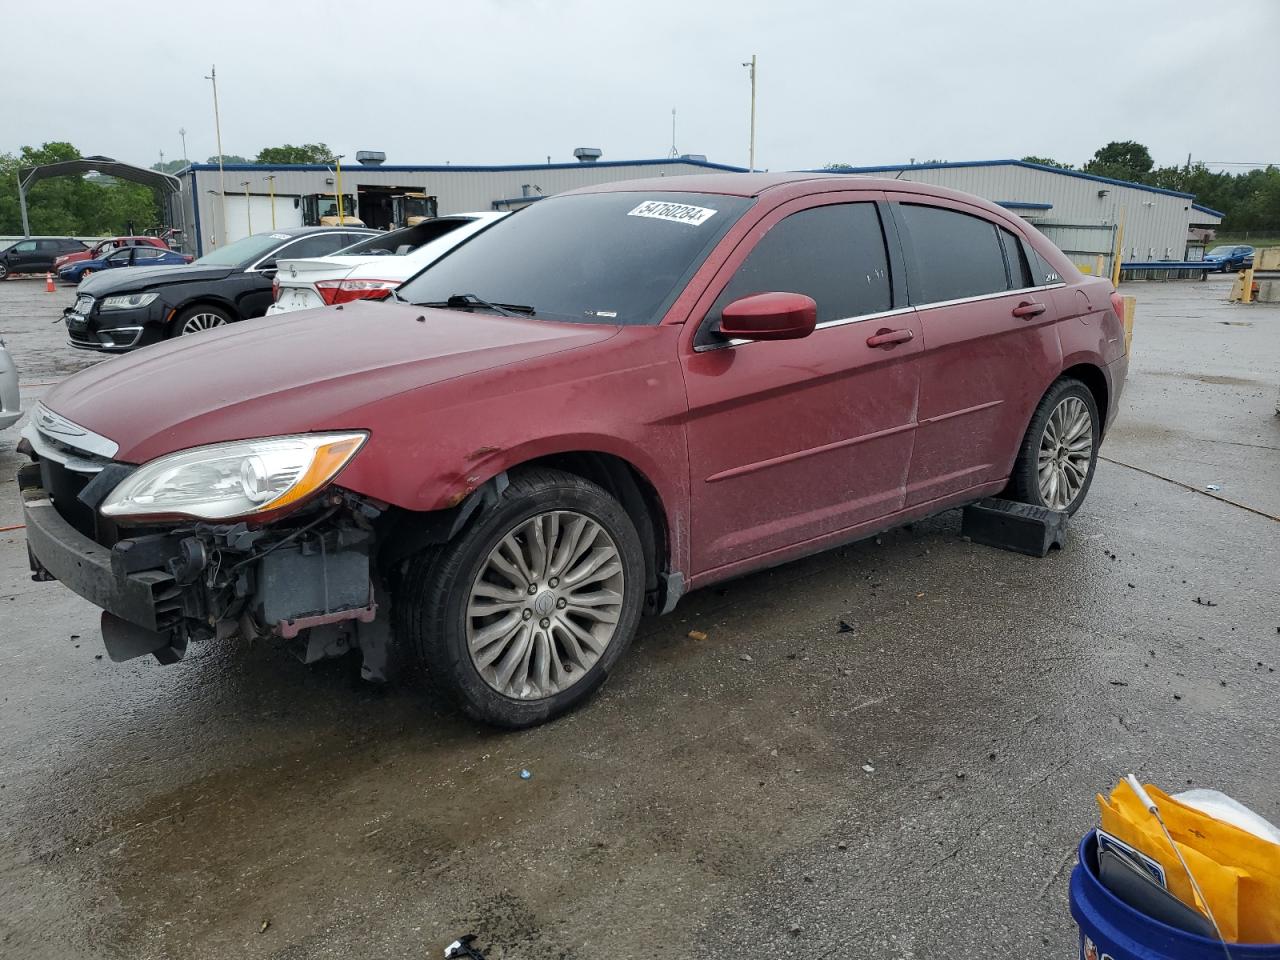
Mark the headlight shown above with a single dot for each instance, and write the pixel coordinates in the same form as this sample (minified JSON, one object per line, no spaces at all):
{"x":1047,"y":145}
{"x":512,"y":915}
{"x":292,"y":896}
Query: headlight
{"x":128,"y":301}
{"x":232,"y":480}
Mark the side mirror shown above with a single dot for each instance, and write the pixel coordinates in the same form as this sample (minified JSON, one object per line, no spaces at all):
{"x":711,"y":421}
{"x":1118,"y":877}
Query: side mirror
{"x":769,"y":316}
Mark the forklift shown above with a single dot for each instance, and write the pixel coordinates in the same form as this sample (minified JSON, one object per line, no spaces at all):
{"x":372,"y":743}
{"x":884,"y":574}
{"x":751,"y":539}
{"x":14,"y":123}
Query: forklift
{"x":410,"y":209}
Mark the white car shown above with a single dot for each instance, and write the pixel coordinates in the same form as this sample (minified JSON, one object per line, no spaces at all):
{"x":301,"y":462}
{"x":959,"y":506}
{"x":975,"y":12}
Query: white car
{"x":371,"y":267}
{"x":10,"y":411}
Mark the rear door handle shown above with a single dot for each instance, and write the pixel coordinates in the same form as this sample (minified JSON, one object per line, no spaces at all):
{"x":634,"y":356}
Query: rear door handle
{"x":887,"y":338}
{"x":1028,"y":308}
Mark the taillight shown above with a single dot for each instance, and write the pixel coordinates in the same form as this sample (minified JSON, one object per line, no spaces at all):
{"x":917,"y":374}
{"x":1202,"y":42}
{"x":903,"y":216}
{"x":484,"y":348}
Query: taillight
{"x":275,"y":289}
{"x":1117,"y":304}
{"x":344,"y":291}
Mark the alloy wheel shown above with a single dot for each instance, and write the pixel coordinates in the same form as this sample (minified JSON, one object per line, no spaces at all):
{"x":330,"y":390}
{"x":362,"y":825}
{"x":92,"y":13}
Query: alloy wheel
{"x":201,"y":321}
{"x":545,"y":605}
{"x":1066,"y":451}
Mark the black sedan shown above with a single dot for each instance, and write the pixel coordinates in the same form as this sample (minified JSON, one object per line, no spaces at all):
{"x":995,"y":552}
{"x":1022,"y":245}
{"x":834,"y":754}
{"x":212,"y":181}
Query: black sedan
{"x":122,"y":310}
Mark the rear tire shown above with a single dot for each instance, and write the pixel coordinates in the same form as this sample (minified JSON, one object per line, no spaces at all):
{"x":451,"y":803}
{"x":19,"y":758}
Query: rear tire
{"x":1055,"y":464}
{"x":503,"y":618}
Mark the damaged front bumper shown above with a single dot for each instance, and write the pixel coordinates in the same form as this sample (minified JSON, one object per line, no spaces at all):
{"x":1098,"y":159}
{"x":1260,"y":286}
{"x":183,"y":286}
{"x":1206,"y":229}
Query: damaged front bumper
{"x":309,"y":581}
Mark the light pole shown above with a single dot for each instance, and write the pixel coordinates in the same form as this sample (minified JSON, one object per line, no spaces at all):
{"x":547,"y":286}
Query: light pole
{"x":217,"y":129}
{"x":182,"y":132}
{"x":271,"y":186}
{"x":214,"y":236}
{"x":247,"y":212}
{"x":751,"y":69}
{"x":337,"y":186}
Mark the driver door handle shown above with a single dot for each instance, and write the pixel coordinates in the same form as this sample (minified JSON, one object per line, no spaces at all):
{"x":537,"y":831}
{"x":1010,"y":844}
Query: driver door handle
{"x":1028,"y":308}
{"x":887,"y":338}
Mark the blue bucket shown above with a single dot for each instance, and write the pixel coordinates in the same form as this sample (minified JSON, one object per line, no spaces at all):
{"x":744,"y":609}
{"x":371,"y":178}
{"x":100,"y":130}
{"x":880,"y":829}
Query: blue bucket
{"x":1117,"y":930}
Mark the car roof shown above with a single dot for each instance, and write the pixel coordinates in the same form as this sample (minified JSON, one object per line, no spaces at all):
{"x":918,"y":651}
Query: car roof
{"x":785,"y":186}
{"x":303,"y":231}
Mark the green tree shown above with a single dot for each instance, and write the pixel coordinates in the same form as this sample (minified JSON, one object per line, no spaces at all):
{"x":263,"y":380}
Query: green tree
{"x":229,"y":158}
{"x":288,"y":153}
{"x":71,"y":205}
{"x":838,"y":167}
{"x":1122,"y":160}
{"x":1047,"y":162}
{"x":170,"y":166}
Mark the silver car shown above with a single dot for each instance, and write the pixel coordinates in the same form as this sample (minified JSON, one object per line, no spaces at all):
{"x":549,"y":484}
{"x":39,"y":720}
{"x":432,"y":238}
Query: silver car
{"x":9,"y":408}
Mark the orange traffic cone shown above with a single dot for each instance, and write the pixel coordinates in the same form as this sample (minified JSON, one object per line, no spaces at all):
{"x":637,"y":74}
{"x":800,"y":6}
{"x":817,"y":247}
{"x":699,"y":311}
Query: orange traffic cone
{"x":48,"y":282}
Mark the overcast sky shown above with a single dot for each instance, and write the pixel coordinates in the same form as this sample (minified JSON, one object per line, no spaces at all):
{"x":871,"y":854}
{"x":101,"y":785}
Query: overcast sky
{"x":513,"y":81}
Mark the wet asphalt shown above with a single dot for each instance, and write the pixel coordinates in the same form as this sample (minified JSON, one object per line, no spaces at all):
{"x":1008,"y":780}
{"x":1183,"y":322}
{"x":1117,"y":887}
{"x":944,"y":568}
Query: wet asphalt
{"x":715,"y":799}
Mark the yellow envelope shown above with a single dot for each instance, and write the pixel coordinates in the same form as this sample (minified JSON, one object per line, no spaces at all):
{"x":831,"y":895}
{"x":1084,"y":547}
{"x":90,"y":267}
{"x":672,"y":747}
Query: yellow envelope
{"x":1238,"y":873}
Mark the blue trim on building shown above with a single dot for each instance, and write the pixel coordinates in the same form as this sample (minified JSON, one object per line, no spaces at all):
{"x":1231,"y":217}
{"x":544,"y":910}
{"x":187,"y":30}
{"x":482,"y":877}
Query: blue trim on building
{"x":1209,"y":210}
{"x":900,"y":167}
{"x":1024,"y":205}
{"x":459,"y":168}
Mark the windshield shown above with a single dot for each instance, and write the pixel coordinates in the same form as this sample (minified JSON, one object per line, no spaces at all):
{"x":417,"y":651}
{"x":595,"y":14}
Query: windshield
{"x":242,"y":251}
{"x":615,"y":258}
{"x":1221,"y":251}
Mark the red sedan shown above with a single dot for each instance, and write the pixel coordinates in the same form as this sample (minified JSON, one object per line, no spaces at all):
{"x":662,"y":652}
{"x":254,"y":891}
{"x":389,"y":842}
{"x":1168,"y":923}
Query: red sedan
{"x":612,"y":397}
{"x":104,"y":247}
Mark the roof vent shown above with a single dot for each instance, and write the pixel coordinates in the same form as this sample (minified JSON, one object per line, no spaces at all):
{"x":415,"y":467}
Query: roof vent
{"x":698,"y":157}
{"x":371,"y":158}
{"x":588,"y":154}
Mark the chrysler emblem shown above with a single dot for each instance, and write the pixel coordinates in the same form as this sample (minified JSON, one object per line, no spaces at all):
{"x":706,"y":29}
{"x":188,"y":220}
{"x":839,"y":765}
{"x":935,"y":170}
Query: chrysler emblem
{"x":50,"y":422}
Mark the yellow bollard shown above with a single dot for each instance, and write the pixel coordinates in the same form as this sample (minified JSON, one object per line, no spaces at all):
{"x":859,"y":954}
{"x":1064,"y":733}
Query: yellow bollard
{"x":1099,"y":268}
{"x":1246,"y":291}
{"x":1130,"y":308}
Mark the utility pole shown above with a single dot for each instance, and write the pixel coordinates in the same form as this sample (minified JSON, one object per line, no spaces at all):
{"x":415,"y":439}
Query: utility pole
{"x":217,"y":129}
{"x":751,"y":68}
{"x":182,"y":132}
{"x":271,"y":185}
{"x":337,"y":188}
{"x":247,"y":212}
{"x":674,"y":152}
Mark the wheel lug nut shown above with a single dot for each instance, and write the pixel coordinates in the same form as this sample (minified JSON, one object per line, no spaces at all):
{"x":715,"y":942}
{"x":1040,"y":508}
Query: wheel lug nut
{"x":533,"y":588}
{"x":544,"y":623}
{"x":562,"y":603}
{"x":528,"y":614}
{"x":553,"y":582}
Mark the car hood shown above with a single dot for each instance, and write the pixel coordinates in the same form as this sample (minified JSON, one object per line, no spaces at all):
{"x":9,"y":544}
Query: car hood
{"x":141,"y":278}
{"x":298,"y":373}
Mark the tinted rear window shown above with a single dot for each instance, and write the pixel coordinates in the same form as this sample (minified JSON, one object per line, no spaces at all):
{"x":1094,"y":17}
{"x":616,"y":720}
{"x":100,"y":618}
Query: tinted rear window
{"x":411,"y":237}
{"x":956,"y":255}
{"x":616,"y":258}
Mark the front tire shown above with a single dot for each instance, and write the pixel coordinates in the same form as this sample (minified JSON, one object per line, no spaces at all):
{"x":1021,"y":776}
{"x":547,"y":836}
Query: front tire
{"x":197,"y":319}
{"x":1055,"y":464}
{"x":522,"y":616}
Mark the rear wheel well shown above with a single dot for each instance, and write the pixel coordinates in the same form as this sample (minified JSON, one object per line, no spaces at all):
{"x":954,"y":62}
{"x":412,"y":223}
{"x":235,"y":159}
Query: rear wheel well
{"x":1093,"y":378}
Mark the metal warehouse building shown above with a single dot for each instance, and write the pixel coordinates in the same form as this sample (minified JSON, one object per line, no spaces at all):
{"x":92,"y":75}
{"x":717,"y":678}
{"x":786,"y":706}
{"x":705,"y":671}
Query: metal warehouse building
{"x":259,"y":197}
{"x":1078,"y":211}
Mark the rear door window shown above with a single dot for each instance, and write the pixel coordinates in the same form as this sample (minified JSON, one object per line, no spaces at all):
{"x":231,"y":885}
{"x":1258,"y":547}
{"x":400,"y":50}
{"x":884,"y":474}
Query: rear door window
{"x":1016,"y":261}
{"x":834,"y":254}
{"x":956,"y":255}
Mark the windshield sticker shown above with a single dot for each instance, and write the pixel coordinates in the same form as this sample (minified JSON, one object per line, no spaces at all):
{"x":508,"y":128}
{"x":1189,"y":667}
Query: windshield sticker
{"x":675,"y":212}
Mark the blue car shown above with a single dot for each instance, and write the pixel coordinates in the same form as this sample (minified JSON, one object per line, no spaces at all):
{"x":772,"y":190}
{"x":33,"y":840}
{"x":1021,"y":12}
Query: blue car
{"x":124,"y":257}
{"x":1230,"y":257}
